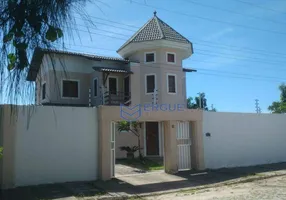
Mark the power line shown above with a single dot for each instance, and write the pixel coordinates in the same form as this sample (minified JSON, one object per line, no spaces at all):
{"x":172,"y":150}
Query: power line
{"x":127,"y":29}
{"x":232,"y":11}
{"x":257,"y":60}
{"x":200,"y":53}
{"x":240,"y":74}
{"x":106,"y":31}
{"x":259,"y":6}
{"x":242,"y":49}
{"x":209,"y":19}
{"x":225,"y":55}
{"x":235,"y":65}
{"x":115,"y":22}
{"x":208,"y":45}
{"x":237,"y":75}
{"x":205,"y":41}
{"x":237,"y":58}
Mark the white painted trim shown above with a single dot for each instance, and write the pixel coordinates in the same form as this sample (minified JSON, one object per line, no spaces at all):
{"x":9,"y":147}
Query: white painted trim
{"x":163,"y":138}
{"x":116,"y":77}
{"x":175,"y":58}
{"x":154,"y":52}
{"x":150,"y":45}
{"x":144,"y":133}
{"x":96,"y":88}
{"x":113,"y":131}
{"x":176,"y":84}
{"x":155,"y":77}
{"x":78,"y":85}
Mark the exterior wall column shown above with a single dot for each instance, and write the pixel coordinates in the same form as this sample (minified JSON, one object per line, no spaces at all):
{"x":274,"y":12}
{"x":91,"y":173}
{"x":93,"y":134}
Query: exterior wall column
{"x":197,"y":148}
{"x":135,"y":85}
{"x":170,"y":147}
{"x":7,"y":141}
{"x":104,"y":144}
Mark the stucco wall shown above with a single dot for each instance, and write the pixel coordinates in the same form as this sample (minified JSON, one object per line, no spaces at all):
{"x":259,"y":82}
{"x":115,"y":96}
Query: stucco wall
{"x":127,"y":139}
{"x":56,"y":144}
{"x":239,"y":139}
{"x":160,"y":68}
{"x":76,"y":68}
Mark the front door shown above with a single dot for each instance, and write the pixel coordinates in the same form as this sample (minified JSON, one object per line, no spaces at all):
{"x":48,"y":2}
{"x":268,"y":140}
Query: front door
{"x":152,"y":139}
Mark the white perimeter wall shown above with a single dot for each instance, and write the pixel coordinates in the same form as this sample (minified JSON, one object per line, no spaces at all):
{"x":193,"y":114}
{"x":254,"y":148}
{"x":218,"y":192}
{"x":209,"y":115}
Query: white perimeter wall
{"x":56,"y":144}
{"x":239,"y":139}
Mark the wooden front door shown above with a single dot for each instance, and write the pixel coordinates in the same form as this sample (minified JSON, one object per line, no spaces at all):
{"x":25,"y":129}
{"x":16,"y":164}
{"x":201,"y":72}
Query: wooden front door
{"x":152,"y":139}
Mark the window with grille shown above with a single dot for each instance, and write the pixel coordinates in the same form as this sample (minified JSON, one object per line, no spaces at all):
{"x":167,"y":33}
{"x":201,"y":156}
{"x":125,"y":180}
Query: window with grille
{"x":172,"y":84}
{"x":70,"y":89}
{"x":44,"y":91}
{"x":112,"y":82}
{"x":95,"y":87}
{"x":171,"y":58}
{"x":150,"y":83}
{"x":149,"y":57}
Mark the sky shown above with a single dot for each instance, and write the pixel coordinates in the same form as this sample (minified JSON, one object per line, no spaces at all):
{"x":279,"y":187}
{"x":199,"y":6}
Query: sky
{"x":239,"y":45}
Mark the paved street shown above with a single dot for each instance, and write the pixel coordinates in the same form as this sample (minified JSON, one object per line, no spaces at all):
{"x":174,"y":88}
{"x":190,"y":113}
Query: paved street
{"x":208,"y":184}
{"x":272,"y":188}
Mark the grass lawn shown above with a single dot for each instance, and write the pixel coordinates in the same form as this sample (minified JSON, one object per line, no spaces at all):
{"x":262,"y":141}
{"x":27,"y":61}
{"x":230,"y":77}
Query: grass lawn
{"x":149,"y":165}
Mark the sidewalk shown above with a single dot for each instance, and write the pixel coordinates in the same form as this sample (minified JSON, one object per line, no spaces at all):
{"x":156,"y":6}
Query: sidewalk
{"x":146,"y":184}
{"x":150,"y":184}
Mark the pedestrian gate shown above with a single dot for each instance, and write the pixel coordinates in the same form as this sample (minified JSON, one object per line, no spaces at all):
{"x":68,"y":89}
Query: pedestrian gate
{"x":184,"y":146}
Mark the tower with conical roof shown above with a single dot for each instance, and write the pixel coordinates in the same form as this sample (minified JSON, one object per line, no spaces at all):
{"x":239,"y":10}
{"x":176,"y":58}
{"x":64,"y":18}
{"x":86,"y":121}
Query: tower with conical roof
{"x":159,"y":77}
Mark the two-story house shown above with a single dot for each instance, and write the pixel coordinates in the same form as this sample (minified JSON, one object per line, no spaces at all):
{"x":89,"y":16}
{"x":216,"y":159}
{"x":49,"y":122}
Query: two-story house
{"x":150,"y":71}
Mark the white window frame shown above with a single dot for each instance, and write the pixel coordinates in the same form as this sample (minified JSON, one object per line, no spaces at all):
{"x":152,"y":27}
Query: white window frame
{"x":176,"y":83}
{"x":42,"y":91}
{"x":145,"y":53}
{"x":155,"y":77}
{"x":62,"y":84}
{"x":175,"y":57}
{"x":94,"y":88}
{"x":116,"y":77}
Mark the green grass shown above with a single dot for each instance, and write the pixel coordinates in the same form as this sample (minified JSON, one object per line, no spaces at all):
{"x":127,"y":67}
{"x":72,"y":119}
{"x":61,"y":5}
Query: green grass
{"x":149,"y":165}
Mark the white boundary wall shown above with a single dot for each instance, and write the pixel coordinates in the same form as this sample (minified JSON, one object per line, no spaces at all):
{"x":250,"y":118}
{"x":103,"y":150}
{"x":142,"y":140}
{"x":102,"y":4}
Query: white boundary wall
{"x":240,"y":139}
{"x":56,"y":144}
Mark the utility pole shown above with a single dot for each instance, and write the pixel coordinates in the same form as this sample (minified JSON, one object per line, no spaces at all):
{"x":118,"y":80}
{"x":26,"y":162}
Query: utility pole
{"x":257,"y":108}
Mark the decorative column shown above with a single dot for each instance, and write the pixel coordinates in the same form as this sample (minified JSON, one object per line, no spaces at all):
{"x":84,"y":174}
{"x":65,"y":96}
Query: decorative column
{"x":170,"y":147}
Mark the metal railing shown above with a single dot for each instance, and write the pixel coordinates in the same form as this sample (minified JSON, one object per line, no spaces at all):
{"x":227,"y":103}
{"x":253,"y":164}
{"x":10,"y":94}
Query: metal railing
{"x":117,"y":98}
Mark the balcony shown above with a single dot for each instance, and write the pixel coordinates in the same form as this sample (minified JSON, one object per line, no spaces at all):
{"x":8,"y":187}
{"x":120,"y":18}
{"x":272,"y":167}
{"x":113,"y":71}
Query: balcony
{"x":116,"y":98}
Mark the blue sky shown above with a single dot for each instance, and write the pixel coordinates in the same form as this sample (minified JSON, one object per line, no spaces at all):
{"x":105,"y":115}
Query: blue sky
{"x":223,"y":42}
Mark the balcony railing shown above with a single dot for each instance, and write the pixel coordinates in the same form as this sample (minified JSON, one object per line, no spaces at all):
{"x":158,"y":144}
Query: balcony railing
{"x":117,"y":98}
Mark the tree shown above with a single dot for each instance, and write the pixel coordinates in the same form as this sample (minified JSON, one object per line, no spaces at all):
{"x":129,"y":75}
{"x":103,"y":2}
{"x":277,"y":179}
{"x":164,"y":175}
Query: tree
{"x":26,"y":25}
{"x":133,"y":128}
{"x":198,"y":102}
{"x":279,"y":106}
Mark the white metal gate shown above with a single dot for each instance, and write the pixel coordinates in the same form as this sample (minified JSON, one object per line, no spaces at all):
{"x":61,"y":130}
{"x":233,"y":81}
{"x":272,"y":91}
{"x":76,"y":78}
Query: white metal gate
{"x":112,"y":140}
{"x":184,"y":145}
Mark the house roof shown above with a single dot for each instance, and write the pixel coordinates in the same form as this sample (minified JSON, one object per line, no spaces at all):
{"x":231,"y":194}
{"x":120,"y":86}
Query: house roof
{"x":105,"y":69}
{"x":39,"y":54}
{"x":156,"y":29}
{"x":189,"y":70}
